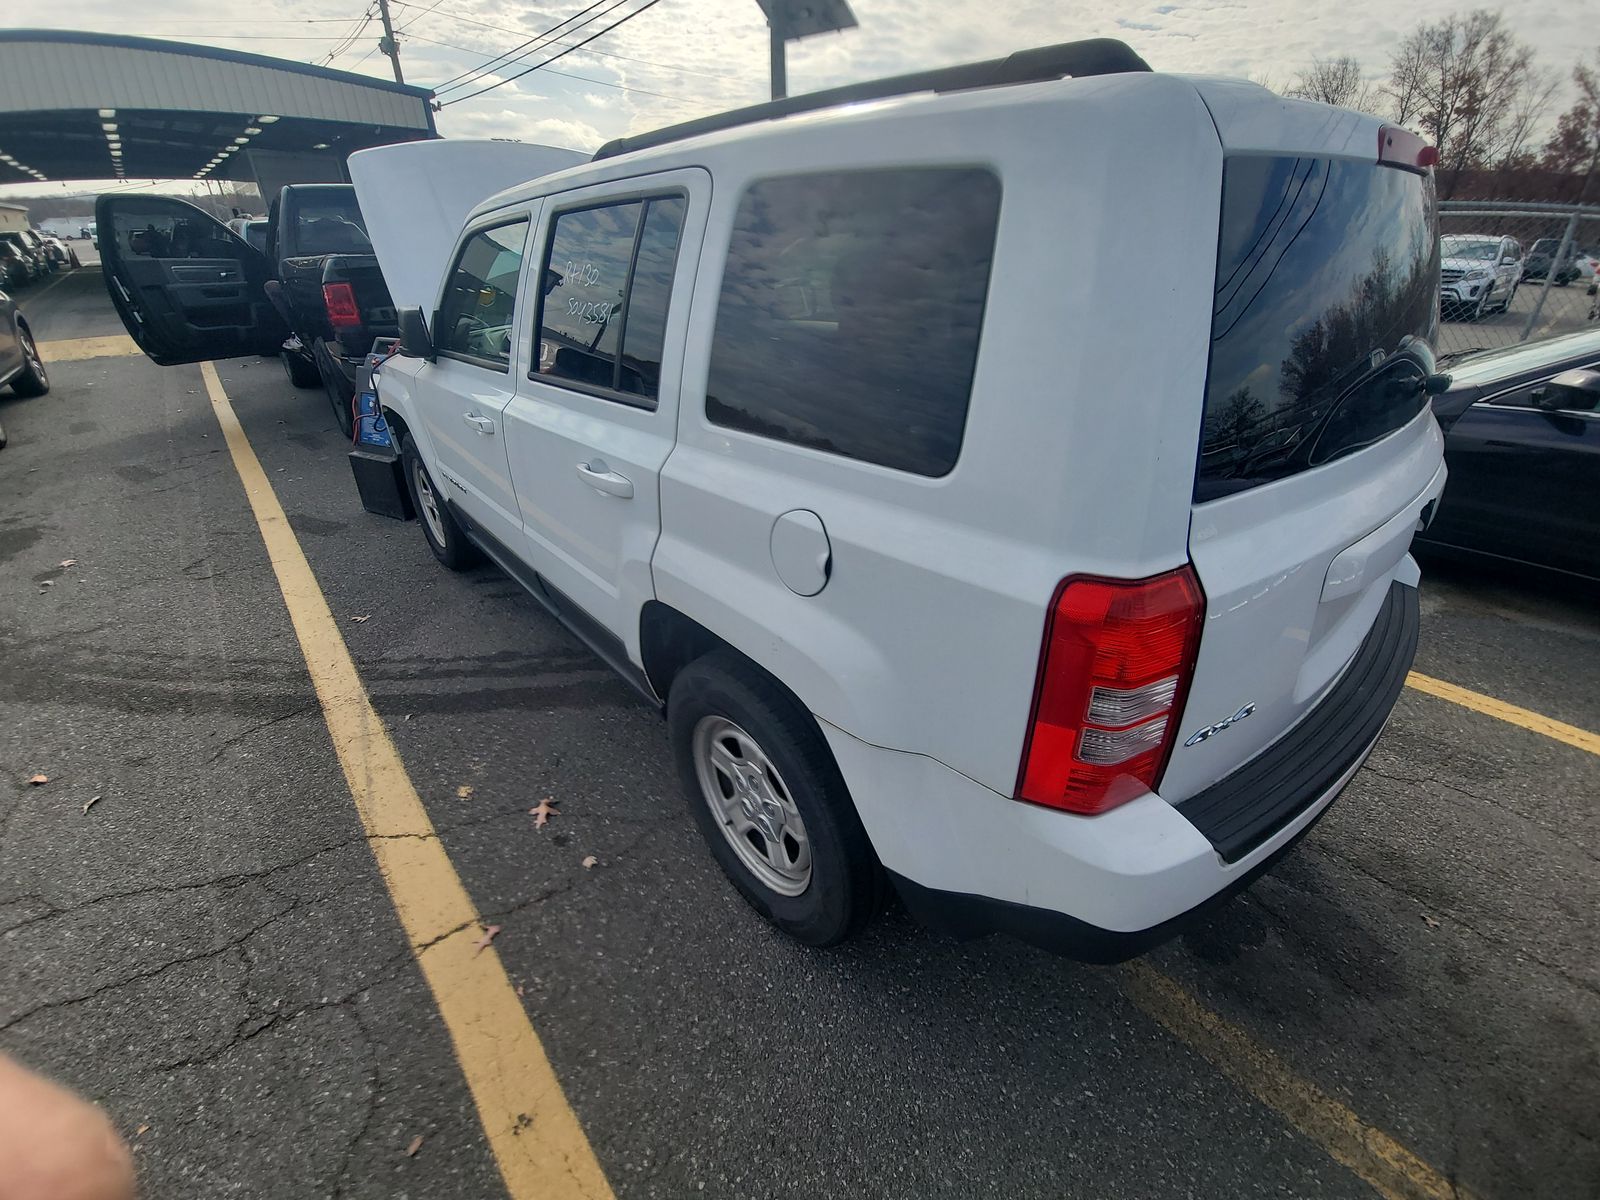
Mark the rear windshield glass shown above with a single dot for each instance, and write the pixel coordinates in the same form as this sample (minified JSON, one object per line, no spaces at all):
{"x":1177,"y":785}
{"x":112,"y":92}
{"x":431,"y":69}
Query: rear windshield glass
{"x":330,"y":223}
{"x":1326,"y":299}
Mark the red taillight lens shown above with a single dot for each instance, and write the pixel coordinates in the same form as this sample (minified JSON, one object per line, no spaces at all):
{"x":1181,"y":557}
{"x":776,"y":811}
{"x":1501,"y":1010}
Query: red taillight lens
{"x":340,"y":299}
{"x":1117,"y":660}
{"x":1399,"y":147}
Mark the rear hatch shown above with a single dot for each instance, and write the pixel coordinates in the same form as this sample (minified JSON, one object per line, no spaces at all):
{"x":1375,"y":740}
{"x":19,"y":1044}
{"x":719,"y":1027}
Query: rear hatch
{"x":1318,"y":453}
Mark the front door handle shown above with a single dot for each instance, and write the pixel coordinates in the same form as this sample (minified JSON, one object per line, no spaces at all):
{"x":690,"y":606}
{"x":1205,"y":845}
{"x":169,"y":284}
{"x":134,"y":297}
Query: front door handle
{"x":481,"y":424}
{"x":602,"y":479}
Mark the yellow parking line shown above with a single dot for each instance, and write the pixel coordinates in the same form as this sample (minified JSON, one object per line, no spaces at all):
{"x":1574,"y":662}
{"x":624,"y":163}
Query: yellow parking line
{"x":1499,"y":709}
{"x":118,"y":345}
{"x":537,"y":1142}
{"x":1391,"y":1170}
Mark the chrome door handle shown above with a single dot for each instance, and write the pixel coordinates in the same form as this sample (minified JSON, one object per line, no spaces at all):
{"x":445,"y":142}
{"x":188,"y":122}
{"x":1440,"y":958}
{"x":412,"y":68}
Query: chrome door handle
{"x":598,"y":476}
{"x":481,"y":424}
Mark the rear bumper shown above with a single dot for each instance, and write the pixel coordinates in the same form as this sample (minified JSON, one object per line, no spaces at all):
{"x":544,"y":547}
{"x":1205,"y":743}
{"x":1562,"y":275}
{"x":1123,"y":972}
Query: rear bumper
{"x":970,"y":861}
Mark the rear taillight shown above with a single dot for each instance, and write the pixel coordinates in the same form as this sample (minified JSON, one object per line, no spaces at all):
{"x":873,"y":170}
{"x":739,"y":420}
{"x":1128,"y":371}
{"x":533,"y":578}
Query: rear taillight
{"x":1399,"y":147}
{"x":340,"y":299}
{"x":1115,"y":669}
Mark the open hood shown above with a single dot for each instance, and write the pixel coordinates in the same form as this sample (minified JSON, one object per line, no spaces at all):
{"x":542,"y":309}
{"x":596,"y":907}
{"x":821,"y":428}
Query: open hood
{"x":415,"y":197}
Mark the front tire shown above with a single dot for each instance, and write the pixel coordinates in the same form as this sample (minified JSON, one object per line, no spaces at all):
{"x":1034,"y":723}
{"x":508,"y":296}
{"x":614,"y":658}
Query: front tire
{"x":770,"y":801}
{"x":444,"y":534}
{"x":33,"y":381}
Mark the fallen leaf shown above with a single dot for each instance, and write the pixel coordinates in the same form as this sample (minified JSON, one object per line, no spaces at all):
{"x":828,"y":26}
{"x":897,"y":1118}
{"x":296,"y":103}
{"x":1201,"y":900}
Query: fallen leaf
{"x":416,"y":1144}
{"x":44,"y":583}
{"x":38,"y":779}
{"x":408,"y":716}
{"x":359,"y":620}
{"x":1432,"y":922}
{"x":542,"y":813}
{"x":141,"y":1131}
{"x":482,"y":943}
{"x":521,"y":991}
{"x":93,"y":800}
{"x":589,"y":861}
{"x":464,"y":792}
{"x":68,"y":562}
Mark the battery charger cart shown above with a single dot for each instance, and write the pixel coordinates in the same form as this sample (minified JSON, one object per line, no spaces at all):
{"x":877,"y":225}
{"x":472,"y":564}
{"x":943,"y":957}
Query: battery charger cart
{"x":374,"y":458}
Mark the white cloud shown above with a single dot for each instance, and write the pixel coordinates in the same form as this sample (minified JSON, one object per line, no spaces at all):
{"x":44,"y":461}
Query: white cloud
{"x":685,"y":58}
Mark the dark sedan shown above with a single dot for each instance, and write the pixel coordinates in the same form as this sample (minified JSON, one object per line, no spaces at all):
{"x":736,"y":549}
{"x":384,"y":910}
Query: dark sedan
{"x":20,"y":364}
{"x":1522,"y":442}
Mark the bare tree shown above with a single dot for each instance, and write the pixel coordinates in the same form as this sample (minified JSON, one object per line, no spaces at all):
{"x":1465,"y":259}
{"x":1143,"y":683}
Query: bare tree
{"x":1574,"y":148}
{"x":1471,"y":86}
{"x":1335,"y":81}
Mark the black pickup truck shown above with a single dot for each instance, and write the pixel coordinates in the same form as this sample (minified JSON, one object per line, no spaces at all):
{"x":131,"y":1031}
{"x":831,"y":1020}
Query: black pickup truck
{"x":187,"y":288}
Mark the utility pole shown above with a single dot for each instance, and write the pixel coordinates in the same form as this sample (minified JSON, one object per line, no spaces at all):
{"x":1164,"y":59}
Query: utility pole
{"x":791,"y":20}
{"x":780,"y":67}
{"x":389,"y":46}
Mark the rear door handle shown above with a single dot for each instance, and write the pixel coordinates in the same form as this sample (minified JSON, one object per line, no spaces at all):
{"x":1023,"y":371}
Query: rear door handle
{"x":481,"y":424}
{"x":602,"y":479}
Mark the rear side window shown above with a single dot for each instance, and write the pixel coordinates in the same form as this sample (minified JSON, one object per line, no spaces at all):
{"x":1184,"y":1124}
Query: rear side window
{"x":606,"y":283}
{"x":850,"y":312}
{"x":476,"y":311}
{"x":1326,"y":299}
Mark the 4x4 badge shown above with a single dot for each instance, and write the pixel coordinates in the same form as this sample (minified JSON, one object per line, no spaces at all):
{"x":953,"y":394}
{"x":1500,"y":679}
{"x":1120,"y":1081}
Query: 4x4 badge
{"x":1202,"y":734}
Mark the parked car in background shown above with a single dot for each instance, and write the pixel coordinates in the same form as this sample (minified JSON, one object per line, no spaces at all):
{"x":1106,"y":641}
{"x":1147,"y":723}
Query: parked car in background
{"x":1522,"y":441}
{"x":15,"y":268}
{"x":1478,"y":274}
{"x":1543,"y":254}
{"x":63,"y":255}
{"x":20,"y":364}
{"x":27,"y":265}
{"x":41,"y":250}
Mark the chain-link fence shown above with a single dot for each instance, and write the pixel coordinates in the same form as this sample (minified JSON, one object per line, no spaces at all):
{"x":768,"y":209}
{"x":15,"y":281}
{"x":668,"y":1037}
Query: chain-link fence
{"x":1515,"y":272}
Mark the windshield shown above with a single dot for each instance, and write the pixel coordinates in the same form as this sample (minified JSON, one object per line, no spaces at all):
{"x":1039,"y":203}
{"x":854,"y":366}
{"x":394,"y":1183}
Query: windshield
{"x":1477,"y":251}
{"x":1327,"y":278}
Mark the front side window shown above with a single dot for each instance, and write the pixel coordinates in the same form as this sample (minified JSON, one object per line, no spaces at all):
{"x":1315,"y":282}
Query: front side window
{"x":475,"y":316}
{"x":850,"y":312}
{"x":166,"y":231}
{"x":607,"y":281}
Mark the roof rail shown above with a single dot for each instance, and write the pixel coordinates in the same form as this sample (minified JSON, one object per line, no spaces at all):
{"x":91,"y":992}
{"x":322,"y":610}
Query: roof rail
{"x":1092,"y":56}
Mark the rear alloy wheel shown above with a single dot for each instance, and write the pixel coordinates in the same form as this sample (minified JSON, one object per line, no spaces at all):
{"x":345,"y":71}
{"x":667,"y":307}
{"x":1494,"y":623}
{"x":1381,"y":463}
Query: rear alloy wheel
{"x":770,"y":801}
{"x":33,"y":381}
{"x":445,"y":537}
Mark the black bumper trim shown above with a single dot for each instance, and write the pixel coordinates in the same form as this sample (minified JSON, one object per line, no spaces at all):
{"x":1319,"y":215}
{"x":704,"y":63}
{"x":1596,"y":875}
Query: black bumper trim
{"x":1240,"y":812}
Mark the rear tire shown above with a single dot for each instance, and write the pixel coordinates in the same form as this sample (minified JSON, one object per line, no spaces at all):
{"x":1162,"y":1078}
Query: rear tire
{"x":768,"y":797}
{"x":340,"y":395}
{"x":33,"y":381}
{"x":302,"y":371}
{"x":445,"y":537}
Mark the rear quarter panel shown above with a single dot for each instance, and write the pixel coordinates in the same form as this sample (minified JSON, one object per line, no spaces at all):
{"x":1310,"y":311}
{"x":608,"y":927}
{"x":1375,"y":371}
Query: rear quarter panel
{"x":1080,"y":439}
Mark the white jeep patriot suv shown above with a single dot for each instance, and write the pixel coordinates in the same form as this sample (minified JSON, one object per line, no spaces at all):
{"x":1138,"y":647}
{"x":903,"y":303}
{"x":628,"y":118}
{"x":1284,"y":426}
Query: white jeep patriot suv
{"x":1004,"y":476}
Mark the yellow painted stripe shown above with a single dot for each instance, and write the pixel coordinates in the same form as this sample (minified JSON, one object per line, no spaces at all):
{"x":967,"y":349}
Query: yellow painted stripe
{"x":118,"y":345}
{"x":537,"y":1141}
{"x":1499,"y":709}
{"x":1391,"y":1170}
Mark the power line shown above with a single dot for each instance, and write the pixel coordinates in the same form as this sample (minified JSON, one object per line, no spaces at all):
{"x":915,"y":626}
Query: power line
{"x":508,"y":56}
{"x":458,"y":19}
{"x":417,"y":37}
{"x":645,"y":7}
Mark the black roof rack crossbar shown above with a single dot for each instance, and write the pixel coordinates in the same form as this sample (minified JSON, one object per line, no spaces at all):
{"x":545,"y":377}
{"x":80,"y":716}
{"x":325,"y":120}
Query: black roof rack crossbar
{"x":1093,"y":56}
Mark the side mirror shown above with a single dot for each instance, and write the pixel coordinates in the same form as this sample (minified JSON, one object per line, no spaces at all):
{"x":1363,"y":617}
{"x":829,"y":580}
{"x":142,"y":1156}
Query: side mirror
{"x":1577,"y":390}
{"x":1508,"y":261}
{"x":414,"y":339}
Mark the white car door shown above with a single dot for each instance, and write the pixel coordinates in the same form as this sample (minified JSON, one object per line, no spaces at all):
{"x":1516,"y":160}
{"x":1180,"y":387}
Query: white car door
{"x":461,"y":396}
{"x":594,"y":417}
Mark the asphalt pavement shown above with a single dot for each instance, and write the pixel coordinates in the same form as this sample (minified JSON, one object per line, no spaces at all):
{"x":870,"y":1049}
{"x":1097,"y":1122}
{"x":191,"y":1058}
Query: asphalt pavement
{"x":195,"y":935}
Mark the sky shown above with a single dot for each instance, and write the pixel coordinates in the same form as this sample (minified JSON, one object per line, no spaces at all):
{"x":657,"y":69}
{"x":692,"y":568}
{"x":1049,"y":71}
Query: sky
{"x":685,"y":58}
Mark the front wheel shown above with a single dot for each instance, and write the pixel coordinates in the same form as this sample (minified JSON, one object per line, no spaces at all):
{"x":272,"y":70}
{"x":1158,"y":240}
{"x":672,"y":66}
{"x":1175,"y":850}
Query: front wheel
{"x":446,"y":538}
{"x":1482,"y":306}
{"x":1506,"y":307}
{"x":770,"y":801}
{"x":33,"y":381}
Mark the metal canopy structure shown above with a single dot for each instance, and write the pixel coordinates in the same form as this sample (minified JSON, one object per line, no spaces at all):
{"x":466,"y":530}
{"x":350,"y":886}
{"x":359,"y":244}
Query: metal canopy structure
{"x":103,"y":106}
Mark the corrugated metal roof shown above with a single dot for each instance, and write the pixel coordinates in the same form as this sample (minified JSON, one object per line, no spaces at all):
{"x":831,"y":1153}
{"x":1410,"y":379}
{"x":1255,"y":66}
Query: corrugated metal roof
{"x":49,"y":70}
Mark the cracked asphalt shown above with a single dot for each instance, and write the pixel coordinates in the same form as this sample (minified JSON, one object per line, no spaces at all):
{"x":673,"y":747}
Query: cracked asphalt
{"x":209,"y":951}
